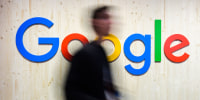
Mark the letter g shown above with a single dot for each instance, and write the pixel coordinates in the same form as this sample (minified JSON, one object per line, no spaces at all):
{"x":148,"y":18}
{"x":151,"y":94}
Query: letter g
{"x":53,"y":41}
{"x":145,"y":56}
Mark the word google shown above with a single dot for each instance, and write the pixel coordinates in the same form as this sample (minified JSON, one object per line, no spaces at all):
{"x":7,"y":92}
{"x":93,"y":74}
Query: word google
{"x":146,"y":39}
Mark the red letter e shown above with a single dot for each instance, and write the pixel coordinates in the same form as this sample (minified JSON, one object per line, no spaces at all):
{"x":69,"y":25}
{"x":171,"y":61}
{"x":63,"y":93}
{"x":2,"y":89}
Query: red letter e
{"x":169,"y":50}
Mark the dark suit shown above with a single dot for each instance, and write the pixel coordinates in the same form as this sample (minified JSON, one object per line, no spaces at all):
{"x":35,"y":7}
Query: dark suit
{"x":89,"y":74}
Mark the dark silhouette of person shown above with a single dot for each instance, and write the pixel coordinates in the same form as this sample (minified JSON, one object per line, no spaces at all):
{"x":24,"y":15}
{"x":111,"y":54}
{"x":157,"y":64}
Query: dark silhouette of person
{"x":89,"y":77}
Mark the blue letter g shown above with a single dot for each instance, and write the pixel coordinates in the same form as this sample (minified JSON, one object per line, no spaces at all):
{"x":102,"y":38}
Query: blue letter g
{"x":145,"y":56}
{"x":20,"y":45}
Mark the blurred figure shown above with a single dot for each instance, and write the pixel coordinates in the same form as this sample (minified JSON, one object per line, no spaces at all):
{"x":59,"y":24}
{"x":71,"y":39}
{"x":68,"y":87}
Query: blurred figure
{"x":89,"y":76}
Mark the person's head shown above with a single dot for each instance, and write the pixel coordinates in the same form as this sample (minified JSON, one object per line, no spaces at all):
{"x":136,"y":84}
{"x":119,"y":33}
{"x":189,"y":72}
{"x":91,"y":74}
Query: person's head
{"x":101,"y":21}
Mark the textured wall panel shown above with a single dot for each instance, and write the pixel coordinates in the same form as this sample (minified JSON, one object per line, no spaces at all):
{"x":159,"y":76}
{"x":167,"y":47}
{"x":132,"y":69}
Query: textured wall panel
{"x":21,"y":79}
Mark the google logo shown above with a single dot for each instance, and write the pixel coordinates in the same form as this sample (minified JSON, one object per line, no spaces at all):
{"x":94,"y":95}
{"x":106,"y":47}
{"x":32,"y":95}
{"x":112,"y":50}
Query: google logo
{"x":145,"y":39}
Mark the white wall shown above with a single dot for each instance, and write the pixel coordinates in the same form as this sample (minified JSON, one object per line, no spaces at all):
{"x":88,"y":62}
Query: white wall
{"x":21,"y":79}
